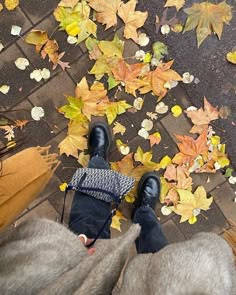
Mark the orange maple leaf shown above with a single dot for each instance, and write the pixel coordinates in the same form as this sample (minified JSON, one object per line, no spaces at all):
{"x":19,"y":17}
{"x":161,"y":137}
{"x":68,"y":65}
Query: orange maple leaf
{"x":21,"y":123}
{"x":129,"y":75}
{"x":154,"y":81}
{"x":204,"y":115}
{"x":190,"y":148}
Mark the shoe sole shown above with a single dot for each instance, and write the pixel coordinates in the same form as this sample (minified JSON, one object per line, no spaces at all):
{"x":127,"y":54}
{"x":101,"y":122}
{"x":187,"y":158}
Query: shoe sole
{"x":108,"y":131}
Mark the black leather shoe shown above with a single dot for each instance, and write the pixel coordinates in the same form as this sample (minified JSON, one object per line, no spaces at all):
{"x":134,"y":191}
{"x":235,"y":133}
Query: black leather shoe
{"x":149,"y":189}
{"x":99,"y":140}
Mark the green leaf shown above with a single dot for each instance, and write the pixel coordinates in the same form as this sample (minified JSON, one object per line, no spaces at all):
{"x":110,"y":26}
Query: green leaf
{"x":228,"y":172}
{"x":159,"y":50}
{"x":112,"y":83}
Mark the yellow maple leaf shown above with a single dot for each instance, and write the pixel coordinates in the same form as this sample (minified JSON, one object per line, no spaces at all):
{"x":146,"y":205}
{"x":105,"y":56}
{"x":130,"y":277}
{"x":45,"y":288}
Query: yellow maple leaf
{"x":207,"y":17}
{"x":74,"y":140}
{"x":231,"y":57}
{"x":116,"y":220}
{"x":190,"y":204}
{"x":106,"y":11}
{"x":132,"y":19}
{"x":145,"y":158}
{"x":11,"y":4}
{"x":165,"y":161}
{"x":177,"y":3}
{"x":112,"y":109}
{"x":119,"y":128}
{"x":83,"y":159}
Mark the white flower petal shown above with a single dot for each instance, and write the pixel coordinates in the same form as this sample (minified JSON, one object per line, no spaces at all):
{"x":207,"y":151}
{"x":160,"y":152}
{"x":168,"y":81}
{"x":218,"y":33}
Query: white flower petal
{"x":124,"y":150}
{"x":22,"y":63}
{"x":36,"y":74}
{"x":155,"y":62}
{"x":217,"y":166}
{"x":15,"y":30}
{"x":37,"y":113}
{"x":143,"y":39}
{"x":72,"y":40}
{"x":4,"y":89}
{"x":138,"y":103}
{"x":187,"y":78}
{"x":165,"y":29}
{"x":161,"y":108}
{"x":147,"y":124}
{"x":171,"y":84}
{"x":191,"y":108}
{"x":139,"y":55}
{"x":165,"y":210}
{"x":45,"y":74}
{"x":196,"y":211}
{"x":1,"y":47}
{"x":232,"y":179}
{"x":143,"y":133}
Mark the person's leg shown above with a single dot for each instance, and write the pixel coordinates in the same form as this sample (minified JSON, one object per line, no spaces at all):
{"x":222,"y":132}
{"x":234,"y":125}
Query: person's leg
{"x":151,"y":238}
{"x":88,"y":214}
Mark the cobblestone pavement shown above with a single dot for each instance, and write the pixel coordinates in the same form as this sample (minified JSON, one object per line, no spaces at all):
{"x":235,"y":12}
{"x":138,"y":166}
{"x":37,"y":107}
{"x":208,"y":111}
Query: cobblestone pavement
{"x":53,"y":128}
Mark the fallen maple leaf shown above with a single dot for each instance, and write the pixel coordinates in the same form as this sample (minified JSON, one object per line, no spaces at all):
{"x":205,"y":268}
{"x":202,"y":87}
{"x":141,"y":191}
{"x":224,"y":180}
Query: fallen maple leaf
{"x":190,"y":204}
{"x":83,"y":159}
{"x":106,"y":11}
{"x":132,"y":19}
{"x":116,"y":220}
{"x":46,"y":47}
{"x":112,"y":109}
{"x":128,"y":74}
{"x":177,"y":3}
{"x":89,"y":99}
{"x":204,"y":115}
{"x":74,"y":140}
{"x":155,"y":80}
{"x":207,"y":17}
{"x":145,"y":158}
{"x":154,"y":138}
{"x":190,"y":149}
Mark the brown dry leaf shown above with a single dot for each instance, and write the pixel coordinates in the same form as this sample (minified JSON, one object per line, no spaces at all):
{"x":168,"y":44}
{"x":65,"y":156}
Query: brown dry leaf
{"x":128,"y":74}
{"x":106,"y":11}
{"x":204,"y":115}
{"x":154,"y":81}
{"x":179,"y":175}
{"x":116,"y":220}
{"x":91,"y":98}
{"x":74,"y":140}
{"x":207,"y":17}
{"x":21,"y":123}
{"x":172,"y":197}
{"x":46,"y":47}
{"x":198,"y":128}
{"x":190,"y":149}
{"x":177,"y":3}
{"x":132,"y":19}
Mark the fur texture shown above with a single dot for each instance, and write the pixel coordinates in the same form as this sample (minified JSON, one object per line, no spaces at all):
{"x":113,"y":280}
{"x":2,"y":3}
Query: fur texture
{"x":43,"y":257}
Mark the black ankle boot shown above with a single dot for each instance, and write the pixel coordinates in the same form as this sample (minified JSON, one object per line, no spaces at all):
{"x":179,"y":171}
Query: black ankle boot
{"x":99,"y":140}
{"x":149,"y":189}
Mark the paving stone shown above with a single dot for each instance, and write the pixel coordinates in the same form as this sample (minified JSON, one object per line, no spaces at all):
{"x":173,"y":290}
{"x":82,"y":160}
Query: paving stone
{"x":44,"y":210}
{"x":80,"y":68}
{"x":172,"y":233}
{"x":50,"y":96}
{"x":214,"y":221}
{"x":129,"y":134}
{"x":7,"y":20}
{"x":224,"y":197}
{"x":38,"y":9}
{"x":49,"y":25}
{"x":208,"y":180}
{"x":19,"y":81}
{"x":179,"y":125}
{"x":50,"y":191}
